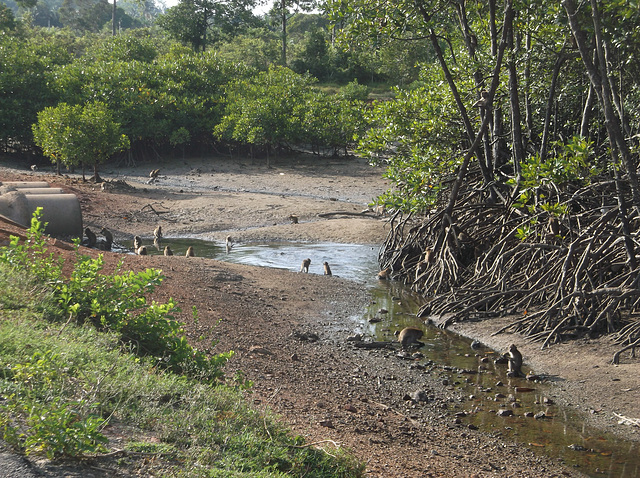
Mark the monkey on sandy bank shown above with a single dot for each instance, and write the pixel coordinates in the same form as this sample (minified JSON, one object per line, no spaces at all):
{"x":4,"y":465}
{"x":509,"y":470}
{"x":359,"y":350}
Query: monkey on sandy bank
{"x":304,"y":267}
{"x":190,"y":252}
{"x":168,"y":251}
{"x":327,"y":269}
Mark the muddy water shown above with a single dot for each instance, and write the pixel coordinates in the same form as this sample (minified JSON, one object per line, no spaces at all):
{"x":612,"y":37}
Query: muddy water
{"x":482,"y":386}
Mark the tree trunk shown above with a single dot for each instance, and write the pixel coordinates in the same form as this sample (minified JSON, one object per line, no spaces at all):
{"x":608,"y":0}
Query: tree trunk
{"x":586,"y":112}
{"x":550,"y":102}
{"x":113,"y":19}
{"x":602,"y":87}
{"x":462,"y":172}
{"x":283,"y":6}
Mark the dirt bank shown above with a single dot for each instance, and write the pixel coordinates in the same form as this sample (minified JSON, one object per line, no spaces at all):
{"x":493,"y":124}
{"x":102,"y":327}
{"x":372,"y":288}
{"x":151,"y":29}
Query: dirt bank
{"x":289,"y":329}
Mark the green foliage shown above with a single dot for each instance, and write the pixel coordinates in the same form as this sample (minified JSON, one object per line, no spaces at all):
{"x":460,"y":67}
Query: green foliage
{"x":415,"y":136}
{"x":62,"y":387}
{"x":540,"y":179}
{"x":259,"y":110}
{"x":116,"y":303}
{"x":24,"y":89}
{"x":79,"y":134}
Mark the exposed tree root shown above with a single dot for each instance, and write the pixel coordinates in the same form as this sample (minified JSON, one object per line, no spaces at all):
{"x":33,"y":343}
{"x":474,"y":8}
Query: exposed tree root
{"x":564,"y":277}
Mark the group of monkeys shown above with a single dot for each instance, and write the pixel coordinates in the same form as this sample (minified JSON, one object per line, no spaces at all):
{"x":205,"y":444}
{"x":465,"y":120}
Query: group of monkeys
{"x":411,"y":336}
{"x":304,"y":267}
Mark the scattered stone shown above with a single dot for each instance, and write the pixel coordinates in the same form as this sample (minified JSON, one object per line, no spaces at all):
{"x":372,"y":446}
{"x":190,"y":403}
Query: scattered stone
{"x":576,"y":447}
{"x":350,"y":408}
{"x":471,"y":426}
{"x":500,"y":395}
{"x":547,"y":401}
{"x":476,"y":344}
{"x":533,"y":377}
{"x":295,"y":358}
{"x":355,"y":338}
{"x":306,"y":336}
{"x":417,"y":396}
{"x":540,"y":415}
{"x":374,"y":320}
{"x":529,"y":414}
{"x":505,"y":413}
{"x":383,"y":311}
{"x":484,"y":360}
{"x":326,"y":423}
{"x":257,"y":349}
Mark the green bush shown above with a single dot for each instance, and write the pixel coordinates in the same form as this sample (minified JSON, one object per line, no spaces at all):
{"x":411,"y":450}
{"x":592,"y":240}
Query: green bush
{"x":115,"y":303}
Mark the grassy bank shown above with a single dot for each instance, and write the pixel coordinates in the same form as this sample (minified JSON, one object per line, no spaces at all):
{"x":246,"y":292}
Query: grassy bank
{"x":78,"y":388}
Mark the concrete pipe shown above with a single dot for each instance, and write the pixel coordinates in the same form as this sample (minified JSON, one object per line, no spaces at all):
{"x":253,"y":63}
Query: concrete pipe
{"x":25,"y":184}
{"x":40,"y":190}
{"x":61,"y":211}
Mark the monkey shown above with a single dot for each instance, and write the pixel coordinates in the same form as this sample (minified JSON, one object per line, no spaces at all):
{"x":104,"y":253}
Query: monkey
{"x":91,"y":237}
{"x":157,"y":233}
{"x":108,"y":238}
{"x":229,"y":243}
{"x":327,"y":269}
{"x":429,"y":255}
{"x":305,"y":265}
{"x":190,"y":252}
{"x":515,"y":362}
{"x":554,"y":226}
{"x":385,"y":274}
{"x":142,"y":251}
{"x":34,"y":167}
{"x":483,"y":101}
{"x":137,"y":242}
{"x":409,"y":336}
{"x":168,"y":251}
{"x":153,"y":176}
{"x":293,"y":218}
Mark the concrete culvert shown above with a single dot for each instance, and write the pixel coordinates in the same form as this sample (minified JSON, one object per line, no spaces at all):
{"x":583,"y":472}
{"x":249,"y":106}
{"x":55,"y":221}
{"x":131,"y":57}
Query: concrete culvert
{"x":61,"y":211}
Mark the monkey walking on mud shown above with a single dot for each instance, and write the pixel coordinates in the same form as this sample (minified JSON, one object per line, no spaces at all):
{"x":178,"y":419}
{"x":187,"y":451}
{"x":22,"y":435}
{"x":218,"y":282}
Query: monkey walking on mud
{"x":304,"y":267}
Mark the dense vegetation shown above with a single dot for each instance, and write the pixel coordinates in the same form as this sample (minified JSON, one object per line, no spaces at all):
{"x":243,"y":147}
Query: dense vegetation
{"x":510,"y":134}
{"x":520,"y":142}
{"x":83,"y":354}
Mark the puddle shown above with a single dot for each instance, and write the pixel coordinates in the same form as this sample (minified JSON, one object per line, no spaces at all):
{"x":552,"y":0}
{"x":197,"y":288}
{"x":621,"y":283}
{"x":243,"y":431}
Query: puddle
{"x":448,"y":357}
{"x":350,"y":261}
{"x":560,"y":433}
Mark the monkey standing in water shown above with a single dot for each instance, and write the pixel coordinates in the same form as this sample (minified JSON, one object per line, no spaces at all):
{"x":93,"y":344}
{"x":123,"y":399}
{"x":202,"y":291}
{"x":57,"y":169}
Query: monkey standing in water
{"x":229,"y":243}
{"x":190,"y":252}
{"x":108,"y":238}
{"x":515,"y":362}
{"x":327,"y":269}
{"x":168,"y":251}
{"x":409,"y":336}
{"x":305,"y":265}
{"x":137,"y":243}
{"x":142,"y":251}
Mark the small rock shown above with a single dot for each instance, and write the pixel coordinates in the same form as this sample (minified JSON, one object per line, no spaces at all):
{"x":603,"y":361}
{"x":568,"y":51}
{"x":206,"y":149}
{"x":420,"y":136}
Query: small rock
{"x":326,"y":423}
{"x":529,"y":414}
{"x":418,"y":396}
{"x":383,"y":311}
{"x":505,"y":413}
{"x":259,"y":350}
{"x":471,"y":426}
{"x":540,"y":415}
{"x":576,"y":447}
{"x":295,"y":358}
{"x":355,"y":338}
{"x":350,"y":408}
{"x":548,"y":401}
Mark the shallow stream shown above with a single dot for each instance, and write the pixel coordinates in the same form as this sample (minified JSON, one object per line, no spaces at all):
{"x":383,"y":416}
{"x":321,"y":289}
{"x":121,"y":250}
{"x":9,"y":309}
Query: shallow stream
{"x":558,"y":432}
